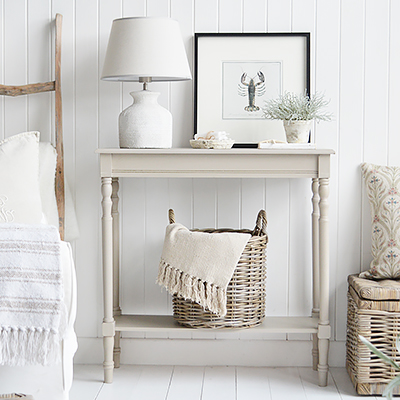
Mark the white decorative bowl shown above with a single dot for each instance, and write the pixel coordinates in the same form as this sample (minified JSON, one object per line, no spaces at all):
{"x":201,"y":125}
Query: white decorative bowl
{"x":211,"y":144}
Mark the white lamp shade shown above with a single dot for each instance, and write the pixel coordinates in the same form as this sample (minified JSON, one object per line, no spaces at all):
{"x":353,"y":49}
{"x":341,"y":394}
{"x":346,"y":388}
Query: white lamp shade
{"x":145,"y":48}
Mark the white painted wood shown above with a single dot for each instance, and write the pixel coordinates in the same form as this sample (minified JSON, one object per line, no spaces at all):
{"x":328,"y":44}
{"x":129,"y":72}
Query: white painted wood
{"x":252,"y":201}
{"x":38,"y":59}
{"x":277,"y":209}
{"x":15,"y":68}
{"x":394,"y":82}
{"x":156,"y":299}
{"x":166,"y":323}
{"x":309,"y":382}
{"x":230,"y":16}
{"x":87,"y":382}
{"x":351,"y":118}
{"x":285,"y":383}
{"x":327,"y":133}
{"x":279,"y":15}
{"x":125,"y":381}
{"x":254,"y":15}
{"x":153,"y":383}
{"x":109,"y":92}
{"x":219,"y":382}
{"x":87,"y":186}
{"x":228,"y":203}
{"x":2,"y":114}
{"x":376,"y":80}
{"x":182,"y":110}
{"x":186,"y":383}
{"x":206,"y":15}
{"x":253,"y":383}
{"x":355,"y":62}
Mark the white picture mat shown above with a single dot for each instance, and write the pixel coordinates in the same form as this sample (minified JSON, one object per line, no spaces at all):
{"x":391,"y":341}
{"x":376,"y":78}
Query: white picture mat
{"x":236,"y":83}
{"x":214,"y":50}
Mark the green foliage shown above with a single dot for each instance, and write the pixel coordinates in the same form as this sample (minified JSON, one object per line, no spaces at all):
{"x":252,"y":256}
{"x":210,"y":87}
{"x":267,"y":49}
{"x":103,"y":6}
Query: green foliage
{"x":294,"y":107}
{"x":388,"y":392}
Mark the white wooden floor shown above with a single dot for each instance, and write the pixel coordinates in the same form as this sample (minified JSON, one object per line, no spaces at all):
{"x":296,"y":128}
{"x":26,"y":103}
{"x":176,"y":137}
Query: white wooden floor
{"x":209,"y":383}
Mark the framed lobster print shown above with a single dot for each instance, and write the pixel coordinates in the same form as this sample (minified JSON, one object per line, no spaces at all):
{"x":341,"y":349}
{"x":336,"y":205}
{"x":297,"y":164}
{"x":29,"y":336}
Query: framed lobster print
{"x":235,"y":73}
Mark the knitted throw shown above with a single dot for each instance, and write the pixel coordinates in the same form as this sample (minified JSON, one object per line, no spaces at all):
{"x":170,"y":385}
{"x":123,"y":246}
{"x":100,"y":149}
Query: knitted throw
{"x":32,"y":314}
{"x":198,"y":266}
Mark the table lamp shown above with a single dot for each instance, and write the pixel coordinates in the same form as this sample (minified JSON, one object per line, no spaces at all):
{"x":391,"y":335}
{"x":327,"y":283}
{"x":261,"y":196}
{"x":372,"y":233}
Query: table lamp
{"x":145,"y":49}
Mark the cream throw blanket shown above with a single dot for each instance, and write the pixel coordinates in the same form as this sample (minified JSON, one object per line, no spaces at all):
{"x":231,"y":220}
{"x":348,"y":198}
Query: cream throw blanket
{"x":32,"y":314}
{"x":198,"y":266}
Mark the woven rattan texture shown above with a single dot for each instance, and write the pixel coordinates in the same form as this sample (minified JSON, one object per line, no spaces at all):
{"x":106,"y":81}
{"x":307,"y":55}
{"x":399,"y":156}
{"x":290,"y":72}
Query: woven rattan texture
{"x":246,"y":290}
{"x":369,"y":373}
{"x":386,"y":289}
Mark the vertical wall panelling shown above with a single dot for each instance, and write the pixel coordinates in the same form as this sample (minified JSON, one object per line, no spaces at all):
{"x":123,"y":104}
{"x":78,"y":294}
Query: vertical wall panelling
{"x":39,"y":50}
{"x":206,"y":15}
{"x":156,"y":209}
{"x":87,"y":186}
{"x":277,"y":208}
{"x":376,"y":80}
{"x":182,"y":111}
{"x":230,"y":16}
{"x":350,"y":151}
{"x":133,"y":249}
{"x":2,"y":116}
{"x":355,"y":60}
{"x":300,"y":302}
{"x":15,"y":68}
{"x":254,"y":15}
{"x":394,"y":84}
{"x":109,"y":92}
{"x":327,"y":33}
{"x":279,"y":15}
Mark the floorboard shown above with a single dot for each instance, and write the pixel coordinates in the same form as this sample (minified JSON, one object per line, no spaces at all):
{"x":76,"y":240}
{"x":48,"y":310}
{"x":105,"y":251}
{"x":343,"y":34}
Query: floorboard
{"x":186,"y":383}
{"x":210,"y":383}
{"x":219,"y":383}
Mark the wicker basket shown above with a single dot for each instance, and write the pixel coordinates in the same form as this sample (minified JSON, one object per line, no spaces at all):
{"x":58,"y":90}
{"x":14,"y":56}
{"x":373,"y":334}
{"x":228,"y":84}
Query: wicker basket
{"x":246,"y":289}
{"x":373,"y":311}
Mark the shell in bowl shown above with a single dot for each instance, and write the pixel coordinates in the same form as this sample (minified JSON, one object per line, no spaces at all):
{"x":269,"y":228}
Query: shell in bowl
{"x":211,"y":144}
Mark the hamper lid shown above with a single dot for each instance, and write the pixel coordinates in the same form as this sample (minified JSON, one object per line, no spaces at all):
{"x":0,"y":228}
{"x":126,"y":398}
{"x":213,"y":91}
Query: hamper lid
{"x":386,"y":289}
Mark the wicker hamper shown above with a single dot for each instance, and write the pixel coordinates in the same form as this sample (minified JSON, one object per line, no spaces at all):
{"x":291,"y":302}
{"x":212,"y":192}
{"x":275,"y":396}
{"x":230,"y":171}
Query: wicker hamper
{"x":246,"y":289}
{"x":373,"y":311}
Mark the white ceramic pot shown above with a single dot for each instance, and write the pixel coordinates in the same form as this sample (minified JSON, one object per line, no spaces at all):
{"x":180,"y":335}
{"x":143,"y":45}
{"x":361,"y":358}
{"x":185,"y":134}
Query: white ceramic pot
{"x":297,"y":131}
{"x":145,"y":124}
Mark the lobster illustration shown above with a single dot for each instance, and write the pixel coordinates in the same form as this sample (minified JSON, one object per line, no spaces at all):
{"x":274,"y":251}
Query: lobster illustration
{"x":250,"y":88}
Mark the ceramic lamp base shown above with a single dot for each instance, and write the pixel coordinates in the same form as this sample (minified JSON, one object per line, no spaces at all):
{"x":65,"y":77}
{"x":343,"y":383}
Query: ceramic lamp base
{"x":145,"y":124}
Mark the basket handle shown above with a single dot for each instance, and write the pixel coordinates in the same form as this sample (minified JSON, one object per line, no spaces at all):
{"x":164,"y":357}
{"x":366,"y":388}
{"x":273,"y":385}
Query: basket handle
{"x":171,"y":216}
{"x":261,"y":224}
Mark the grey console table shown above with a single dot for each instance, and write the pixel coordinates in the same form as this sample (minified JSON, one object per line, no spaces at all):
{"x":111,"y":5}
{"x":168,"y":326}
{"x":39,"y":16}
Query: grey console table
{"x":233,"y":163}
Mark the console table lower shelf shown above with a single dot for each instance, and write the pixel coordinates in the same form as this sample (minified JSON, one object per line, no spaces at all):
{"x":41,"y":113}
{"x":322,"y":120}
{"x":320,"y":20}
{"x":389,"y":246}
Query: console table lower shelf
{"x":166,"y":323}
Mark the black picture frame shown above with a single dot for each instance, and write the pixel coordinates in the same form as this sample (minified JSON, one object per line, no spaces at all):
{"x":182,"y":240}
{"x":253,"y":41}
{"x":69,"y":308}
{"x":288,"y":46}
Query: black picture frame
{"x":215,"y":52}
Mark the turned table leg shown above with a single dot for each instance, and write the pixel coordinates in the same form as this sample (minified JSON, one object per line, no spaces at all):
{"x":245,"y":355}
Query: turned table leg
{"x":107,"y":245}
{"x":324,"y":330}
{"x":315,"y":265}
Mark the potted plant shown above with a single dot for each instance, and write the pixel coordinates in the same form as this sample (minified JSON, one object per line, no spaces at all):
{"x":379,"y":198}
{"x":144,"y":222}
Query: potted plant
{"x":297,"y":111}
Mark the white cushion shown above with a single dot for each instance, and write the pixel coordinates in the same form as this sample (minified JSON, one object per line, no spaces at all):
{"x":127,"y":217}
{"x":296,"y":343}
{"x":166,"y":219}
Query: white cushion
{"x":20,"y":199}
{"x":47,"y":173}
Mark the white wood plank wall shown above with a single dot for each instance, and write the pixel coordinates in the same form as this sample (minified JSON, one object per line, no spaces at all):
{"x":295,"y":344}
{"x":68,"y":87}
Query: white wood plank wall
{"x":355,"y":60}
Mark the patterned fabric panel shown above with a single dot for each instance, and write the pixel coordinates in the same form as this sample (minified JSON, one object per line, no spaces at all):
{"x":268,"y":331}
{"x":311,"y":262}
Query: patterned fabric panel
{"x":383,"y":189}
